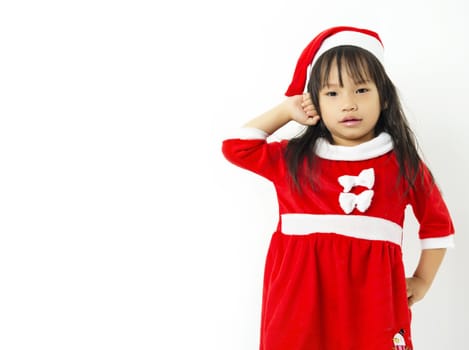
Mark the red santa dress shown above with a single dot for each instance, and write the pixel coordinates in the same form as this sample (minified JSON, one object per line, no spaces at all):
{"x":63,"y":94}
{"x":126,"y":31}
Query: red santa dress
{"x":334,"y":276}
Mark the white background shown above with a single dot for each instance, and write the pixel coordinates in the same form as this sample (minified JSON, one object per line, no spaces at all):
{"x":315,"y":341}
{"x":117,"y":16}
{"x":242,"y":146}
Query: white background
{"x":121,"y":224}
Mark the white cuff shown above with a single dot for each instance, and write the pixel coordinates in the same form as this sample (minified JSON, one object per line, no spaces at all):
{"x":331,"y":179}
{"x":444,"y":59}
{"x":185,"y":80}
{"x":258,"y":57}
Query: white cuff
{"x":437,"y":242}
{"x":247,"y":133}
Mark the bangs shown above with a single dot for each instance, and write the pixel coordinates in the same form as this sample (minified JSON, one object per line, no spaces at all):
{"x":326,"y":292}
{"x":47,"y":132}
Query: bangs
{"x":354,"y":60}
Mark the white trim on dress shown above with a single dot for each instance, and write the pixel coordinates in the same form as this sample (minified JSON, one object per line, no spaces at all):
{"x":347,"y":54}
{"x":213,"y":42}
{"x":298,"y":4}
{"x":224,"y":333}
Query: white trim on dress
{"x":357,"y":226}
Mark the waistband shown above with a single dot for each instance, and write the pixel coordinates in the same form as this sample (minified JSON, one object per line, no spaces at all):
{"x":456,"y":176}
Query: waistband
{"x":357,"y":226}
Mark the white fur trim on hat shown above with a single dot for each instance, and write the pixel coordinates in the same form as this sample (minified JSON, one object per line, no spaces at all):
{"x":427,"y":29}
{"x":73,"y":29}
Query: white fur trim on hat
{"x":364,"y":41}
{"x":353,"y":38}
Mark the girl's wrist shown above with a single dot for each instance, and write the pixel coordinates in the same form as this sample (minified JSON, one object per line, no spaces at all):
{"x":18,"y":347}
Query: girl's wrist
{"x":424,"y":283}
{"x":286,"y":111}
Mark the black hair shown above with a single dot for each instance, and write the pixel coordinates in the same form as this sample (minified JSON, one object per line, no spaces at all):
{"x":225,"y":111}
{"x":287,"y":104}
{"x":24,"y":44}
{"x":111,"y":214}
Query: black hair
{"x":362,"y":66}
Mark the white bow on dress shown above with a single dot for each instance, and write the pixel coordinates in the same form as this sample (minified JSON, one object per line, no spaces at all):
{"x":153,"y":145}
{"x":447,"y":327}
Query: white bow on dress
{"x":349,"y":201}
{"x":366,"y":178}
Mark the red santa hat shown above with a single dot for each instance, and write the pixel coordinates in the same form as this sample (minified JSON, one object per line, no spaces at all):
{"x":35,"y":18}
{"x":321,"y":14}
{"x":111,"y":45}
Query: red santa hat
{"x":329,"y":38}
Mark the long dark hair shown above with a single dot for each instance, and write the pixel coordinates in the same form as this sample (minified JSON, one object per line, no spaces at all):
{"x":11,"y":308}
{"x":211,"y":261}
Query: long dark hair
{"x":361,"y":65}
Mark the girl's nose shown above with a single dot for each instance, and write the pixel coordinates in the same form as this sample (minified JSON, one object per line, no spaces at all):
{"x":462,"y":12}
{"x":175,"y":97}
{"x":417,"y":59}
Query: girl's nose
{"x":349,"y":106}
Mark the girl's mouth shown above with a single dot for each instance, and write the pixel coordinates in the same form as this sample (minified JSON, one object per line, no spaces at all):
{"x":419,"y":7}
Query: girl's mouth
{"x":350,"y":121}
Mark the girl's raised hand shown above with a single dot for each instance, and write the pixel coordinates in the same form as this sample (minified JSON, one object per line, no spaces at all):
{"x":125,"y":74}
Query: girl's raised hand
{"x":305,"y":113}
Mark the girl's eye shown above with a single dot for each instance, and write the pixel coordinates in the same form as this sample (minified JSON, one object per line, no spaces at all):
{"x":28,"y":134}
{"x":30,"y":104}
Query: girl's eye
{"x":362,"y":90}
{"x":331,"y":93}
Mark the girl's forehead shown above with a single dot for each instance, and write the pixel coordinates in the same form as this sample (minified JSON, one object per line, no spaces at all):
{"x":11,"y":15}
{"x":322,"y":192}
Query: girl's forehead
{"x":333,"y":73}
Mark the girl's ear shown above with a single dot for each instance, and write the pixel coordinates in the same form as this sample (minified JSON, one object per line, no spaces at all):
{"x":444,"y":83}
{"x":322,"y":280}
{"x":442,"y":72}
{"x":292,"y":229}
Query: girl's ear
{"x":385,"y":106}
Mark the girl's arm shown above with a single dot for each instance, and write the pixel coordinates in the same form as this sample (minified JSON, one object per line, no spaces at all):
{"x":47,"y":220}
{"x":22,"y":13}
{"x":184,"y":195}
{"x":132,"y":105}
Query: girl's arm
{"x":419,"y":284}
{"x":298,"y":108}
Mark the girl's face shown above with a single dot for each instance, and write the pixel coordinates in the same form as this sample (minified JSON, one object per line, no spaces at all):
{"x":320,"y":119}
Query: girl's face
{"x":350,"y":112}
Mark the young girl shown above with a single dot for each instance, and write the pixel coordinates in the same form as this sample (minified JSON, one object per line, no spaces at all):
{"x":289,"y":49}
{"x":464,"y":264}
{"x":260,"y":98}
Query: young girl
{"x":334,"y":276}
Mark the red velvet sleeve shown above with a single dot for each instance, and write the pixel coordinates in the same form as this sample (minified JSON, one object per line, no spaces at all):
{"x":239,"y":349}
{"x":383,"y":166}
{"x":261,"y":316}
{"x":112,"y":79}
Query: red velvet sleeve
{"x":436,"y":226}
{"x":256,"y":155}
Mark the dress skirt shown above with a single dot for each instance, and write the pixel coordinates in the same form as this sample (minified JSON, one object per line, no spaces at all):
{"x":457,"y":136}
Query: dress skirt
{"x":326,"y":291}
